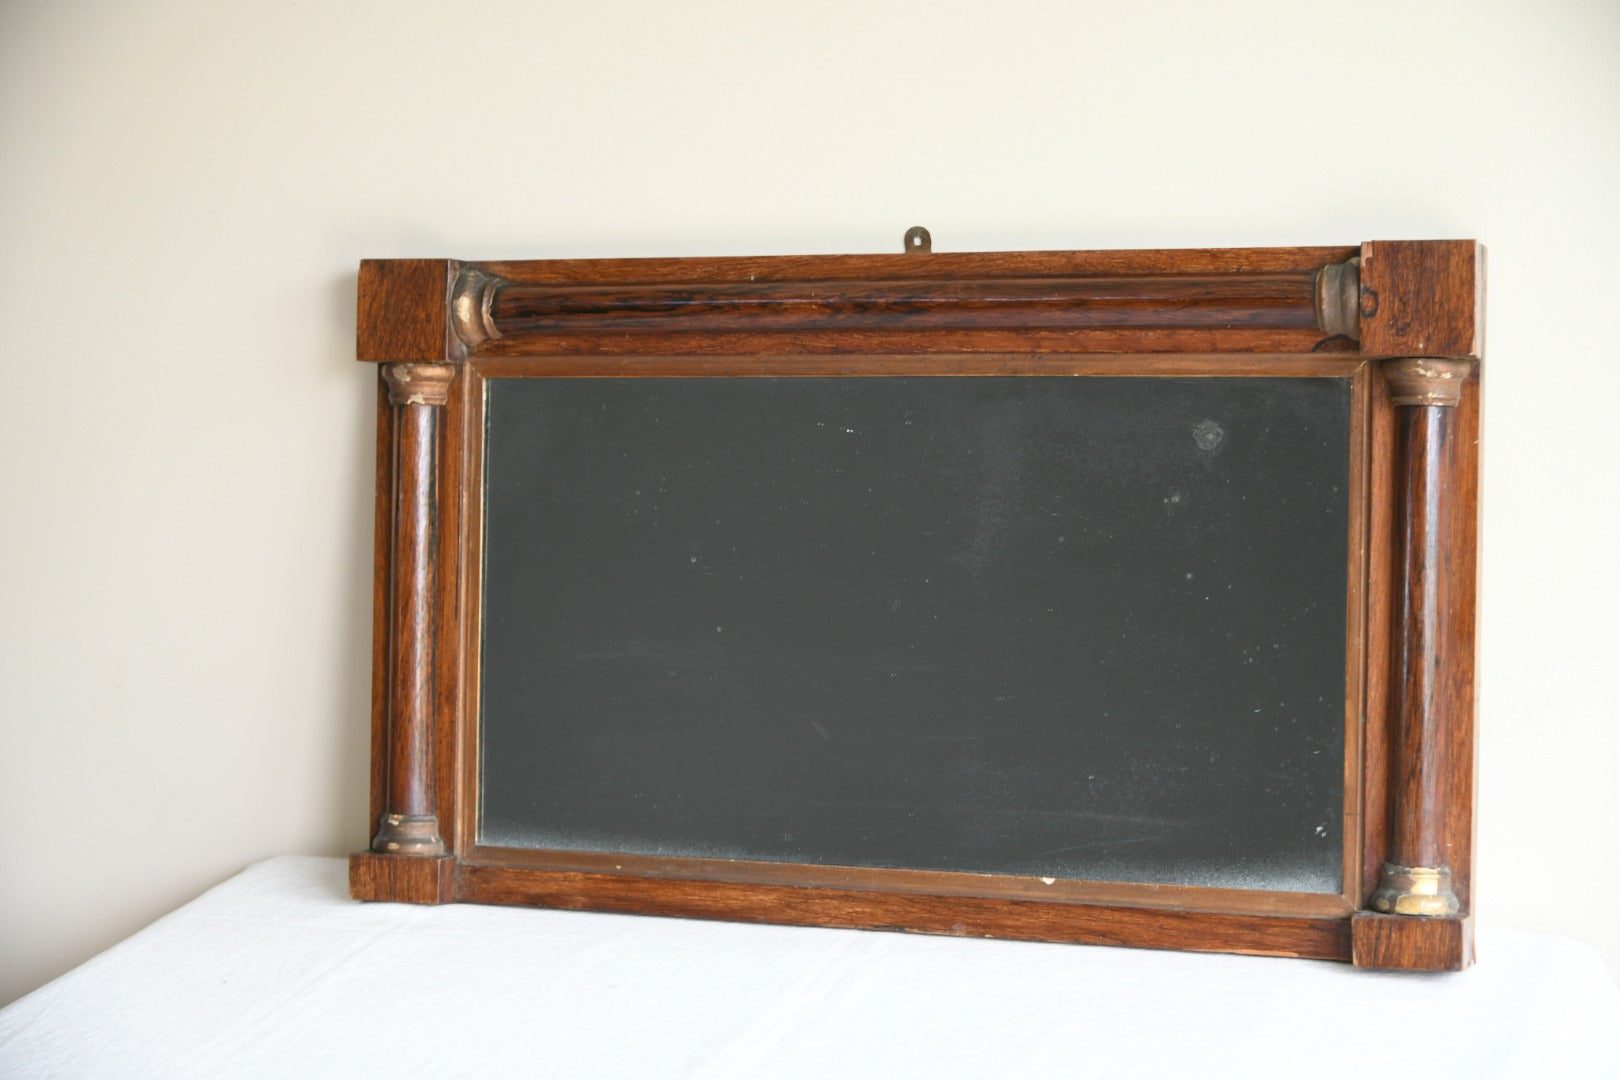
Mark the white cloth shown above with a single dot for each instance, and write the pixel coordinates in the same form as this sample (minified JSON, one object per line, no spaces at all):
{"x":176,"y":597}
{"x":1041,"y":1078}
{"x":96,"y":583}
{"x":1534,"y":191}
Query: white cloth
{"x":277,"y":973}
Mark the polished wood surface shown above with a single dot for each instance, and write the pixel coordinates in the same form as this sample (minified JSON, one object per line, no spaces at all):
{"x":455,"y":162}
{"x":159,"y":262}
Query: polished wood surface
{"x":402,"y":311}
{"x":959,"y":916}
{"x":1418,"y":766}
{"x":1227,"y":312}
{"x":411,"y":681}
{"x":927,"y":882}
{"x":597,"y":365}
{"x":382,"y":590}
{"x":936,"y":264}
{"x":1423,"y":298}
{"x":409,"y":822}
{"x":1234,"y":300}
{"x":402,"y":879}
{"x":1430,"y":739}
{"x":1379,"y":633}
{"x":1275,"y":301}
{"x":1461,"y":625}
{"x":455,"y":634}
{"x":1405,"y":943}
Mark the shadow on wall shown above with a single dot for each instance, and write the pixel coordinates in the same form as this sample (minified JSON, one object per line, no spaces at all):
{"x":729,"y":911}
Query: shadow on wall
{"x":352,"y":761}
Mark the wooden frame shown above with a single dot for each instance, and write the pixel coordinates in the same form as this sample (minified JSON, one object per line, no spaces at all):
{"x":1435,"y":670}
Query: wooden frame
{"x":1403,"y":320}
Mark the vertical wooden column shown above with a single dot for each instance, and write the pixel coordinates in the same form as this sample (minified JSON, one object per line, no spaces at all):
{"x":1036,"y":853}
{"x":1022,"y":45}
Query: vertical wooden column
{"x":1415,"y":919}
{"x":416,"y":320}
{"x":1416,"y":878}
{"x":410,"y":823}
{"x":408,"y":860}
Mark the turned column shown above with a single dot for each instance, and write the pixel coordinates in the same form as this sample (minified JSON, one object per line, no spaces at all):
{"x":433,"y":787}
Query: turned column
{"x":410,"y":822}
{"x":1416,"y":876}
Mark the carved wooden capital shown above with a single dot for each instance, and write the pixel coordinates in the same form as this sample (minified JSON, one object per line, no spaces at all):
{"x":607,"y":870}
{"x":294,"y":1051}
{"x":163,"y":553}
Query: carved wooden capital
{"x":1424,"y":380}
{"x":1338,"y":299}
{"x":418,"y":384}
{"x":470,"y":300}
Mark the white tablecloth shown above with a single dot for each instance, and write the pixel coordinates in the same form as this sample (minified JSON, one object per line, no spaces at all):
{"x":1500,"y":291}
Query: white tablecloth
{"x":277,"y":973}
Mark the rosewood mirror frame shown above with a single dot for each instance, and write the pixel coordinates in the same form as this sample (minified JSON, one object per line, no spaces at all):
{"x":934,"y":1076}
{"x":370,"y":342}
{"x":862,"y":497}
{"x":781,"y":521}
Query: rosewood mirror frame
{"x":1402,"y":320}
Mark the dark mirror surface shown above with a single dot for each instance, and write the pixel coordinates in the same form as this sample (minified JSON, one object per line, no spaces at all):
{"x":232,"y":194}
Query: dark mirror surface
{"x":1075,"y":627}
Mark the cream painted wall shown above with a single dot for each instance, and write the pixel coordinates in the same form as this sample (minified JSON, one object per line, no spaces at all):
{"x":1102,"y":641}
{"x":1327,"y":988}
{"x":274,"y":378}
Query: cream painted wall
{"x":186,"y":188}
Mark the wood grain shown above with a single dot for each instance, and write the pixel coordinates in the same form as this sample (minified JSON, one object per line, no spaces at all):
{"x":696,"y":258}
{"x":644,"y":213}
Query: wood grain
{"x":451,"y":629}
{"x":1422,"y":298}
{"x":411,"y":629}
{"x":403,"y":879}
{"x":1358,"y":603}
{"x":1461,"y":625}
{"x":1238,"y":300}
{"x":1420,"y":702}
{"x":961,"y":916}
{"x":810,"y":365}
{"x":381,"y":597}
{"x":403,"y":313}
{"x":1411,"y":943}
{"x":941,"y":265}
{"x":466,"y":664}
{"x":1431,"y":761}
{"x":925,"y":882}
{"x":1237,"y":341}
{"x":1380,"y":632}
{"x":1277,"y":301}
{"x":409,"y":823}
